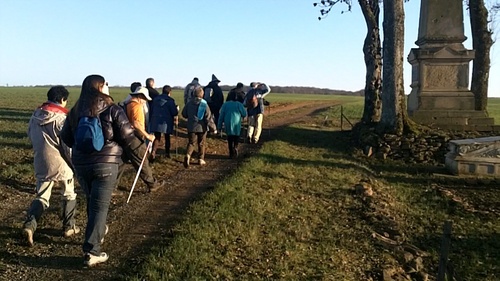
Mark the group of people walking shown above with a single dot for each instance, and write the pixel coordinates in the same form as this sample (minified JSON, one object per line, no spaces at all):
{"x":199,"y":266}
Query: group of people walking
{"x":95,"y":138}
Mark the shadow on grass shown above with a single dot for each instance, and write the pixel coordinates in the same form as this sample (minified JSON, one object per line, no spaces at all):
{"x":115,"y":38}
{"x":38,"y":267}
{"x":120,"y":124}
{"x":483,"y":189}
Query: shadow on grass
{"x":17,"y":145}
{"x":13,"y":134}
{"x":334,"y":141}
{"x":21,"y":186}
{"x":274,"y":159}
{"x":474,"y":257}
{"x":11,"y":114}
{"x":45,"y":262}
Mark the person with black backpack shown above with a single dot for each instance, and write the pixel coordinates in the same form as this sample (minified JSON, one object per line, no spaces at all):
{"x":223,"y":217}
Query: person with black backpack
{"x":254,"y":102}
{"x":98,"y":131}
{"x":236,"y":94}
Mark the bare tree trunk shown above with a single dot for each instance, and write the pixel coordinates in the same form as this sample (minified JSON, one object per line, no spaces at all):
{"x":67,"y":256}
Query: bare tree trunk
{"x":481,"y":43}
{"x":393,"y":96}
{"x":373,"y":62}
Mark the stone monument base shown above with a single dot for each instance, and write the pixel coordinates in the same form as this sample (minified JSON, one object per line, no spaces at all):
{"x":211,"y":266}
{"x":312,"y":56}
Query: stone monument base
{"x":455,"y":119}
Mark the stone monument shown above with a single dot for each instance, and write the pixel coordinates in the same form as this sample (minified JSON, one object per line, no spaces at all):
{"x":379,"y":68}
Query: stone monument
{"x":440,"y":94}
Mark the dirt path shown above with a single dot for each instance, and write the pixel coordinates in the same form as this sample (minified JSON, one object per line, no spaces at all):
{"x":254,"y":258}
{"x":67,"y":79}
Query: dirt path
{"x":134,"y":227}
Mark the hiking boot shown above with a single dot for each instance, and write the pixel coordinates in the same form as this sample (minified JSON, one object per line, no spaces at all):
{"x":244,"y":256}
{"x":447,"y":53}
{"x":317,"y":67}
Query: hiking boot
{"x":105,"y":232}
{"x":157,"y":185}
{"x":91,"y":260}
{"x":28,"y":235}
{"x":71,"y":231}
{"x":202,"y":162}
{"x":187,"y":158}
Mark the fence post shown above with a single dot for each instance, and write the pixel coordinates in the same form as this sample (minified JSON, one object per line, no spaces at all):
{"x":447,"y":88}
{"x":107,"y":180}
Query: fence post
{"x":445,"y":248}
{"x":341,"y":118}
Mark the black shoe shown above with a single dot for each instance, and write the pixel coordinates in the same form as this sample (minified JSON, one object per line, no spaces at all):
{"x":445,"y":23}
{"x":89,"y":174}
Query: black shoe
{"x":235,"y":153}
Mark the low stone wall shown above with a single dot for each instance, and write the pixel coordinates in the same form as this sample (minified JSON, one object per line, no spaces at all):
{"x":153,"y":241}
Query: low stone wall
{"x":427,"y":147}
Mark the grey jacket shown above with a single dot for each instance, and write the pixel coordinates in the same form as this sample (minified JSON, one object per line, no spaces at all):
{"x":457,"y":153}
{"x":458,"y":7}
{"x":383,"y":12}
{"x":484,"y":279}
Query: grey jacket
{"x":194,"y":124}
{"x":51,"y":155}
{"x":189,"y":90}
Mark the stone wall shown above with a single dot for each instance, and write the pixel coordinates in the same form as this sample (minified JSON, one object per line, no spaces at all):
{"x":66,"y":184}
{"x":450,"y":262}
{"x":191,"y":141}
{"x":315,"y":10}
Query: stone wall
{"x":427,"y":147}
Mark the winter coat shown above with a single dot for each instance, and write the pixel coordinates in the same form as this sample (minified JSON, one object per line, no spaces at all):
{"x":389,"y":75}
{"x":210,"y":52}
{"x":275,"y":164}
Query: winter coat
{"x":117,"y":133}
{"x":153,"y":93}
{"x":217,"y":98}
{"x":162,"y":114}
{"x":231,"y":114}
{"x":236,"y":94}
{"x":260,"y":93}
{"x":188,"y":91}
{"x":51,"y":156}
{"x":195,"y":124}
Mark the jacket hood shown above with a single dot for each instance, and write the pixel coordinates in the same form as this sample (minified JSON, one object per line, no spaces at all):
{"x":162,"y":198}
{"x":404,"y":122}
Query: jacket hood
{"x":49,"y":112}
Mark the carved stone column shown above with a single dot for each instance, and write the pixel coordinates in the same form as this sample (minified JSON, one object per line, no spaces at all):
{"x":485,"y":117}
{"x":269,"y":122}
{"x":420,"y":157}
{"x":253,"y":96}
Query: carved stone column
{"x":440,"y":94}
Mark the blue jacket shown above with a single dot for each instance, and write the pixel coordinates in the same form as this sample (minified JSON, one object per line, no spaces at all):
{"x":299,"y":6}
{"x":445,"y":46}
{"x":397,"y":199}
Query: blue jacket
{"x":231,"y":114}
{"x":162,"y":114}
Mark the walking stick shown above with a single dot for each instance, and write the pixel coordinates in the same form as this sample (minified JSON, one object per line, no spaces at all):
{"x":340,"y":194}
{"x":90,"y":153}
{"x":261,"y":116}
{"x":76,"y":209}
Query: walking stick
{"x":139,"y":170}
{"x":176,"y":137}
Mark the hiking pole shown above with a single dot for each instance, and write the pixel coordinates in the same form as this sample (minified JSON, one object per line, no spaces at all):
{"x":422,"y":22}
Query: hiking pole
{"x":139,"y":170}
{"x":176,"y":142}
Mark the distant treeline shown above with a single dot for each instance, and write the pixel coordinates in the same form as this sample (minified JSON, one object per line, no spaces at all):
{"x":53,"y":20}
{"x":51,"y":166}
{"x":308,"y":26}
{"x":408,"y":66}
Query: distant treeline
{"x":300,"y":90}
{"x":274,"y":89}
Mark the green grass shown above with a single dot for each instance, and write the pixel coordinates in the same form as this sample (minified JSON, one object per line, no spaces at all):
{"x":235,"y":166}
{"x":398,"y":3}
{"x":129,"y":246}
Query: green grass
{"x":282,"y":215}
{"x":290,"y":213}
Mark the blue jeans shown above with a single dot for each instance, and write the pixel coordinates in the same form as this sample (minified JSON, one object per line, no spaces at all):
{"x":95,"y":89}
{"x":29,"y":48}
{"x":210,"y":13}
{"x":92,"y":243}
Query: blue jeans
{"x":98,"y":181}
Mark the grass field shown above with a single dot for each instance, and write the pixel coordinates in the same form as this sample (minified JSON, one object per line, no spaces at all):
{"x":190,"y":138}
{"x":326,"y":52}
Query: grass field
{"x":290,"y":212}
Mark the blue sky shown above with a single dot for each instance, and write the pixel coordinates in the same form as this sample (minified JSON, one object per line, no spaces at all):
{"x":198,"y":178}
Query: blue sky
{"x":280,"y":42}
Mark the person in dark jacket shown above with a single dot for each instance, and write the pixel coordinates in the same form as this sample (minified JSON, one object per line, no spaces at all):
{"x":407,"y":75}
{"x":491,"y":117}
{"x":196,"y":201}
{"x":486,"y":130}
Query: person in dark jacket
{"x":97,"y":171}
{"x":216,"y":99}
{"x":153,"y":93}
{"x":199,"y":121}
{"x":255,"y":110}
{"x":236,"y":94}
{"x":163,"y":115}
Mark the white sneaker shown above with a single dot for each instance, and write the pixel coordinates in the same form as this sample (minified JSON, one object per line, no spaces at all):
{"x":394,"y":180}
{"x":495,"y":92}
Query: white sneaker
{"x":71,"y":231}
{"x":202,"y":162}
{"x":28,"y":234}
{"x":91,"y":260}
